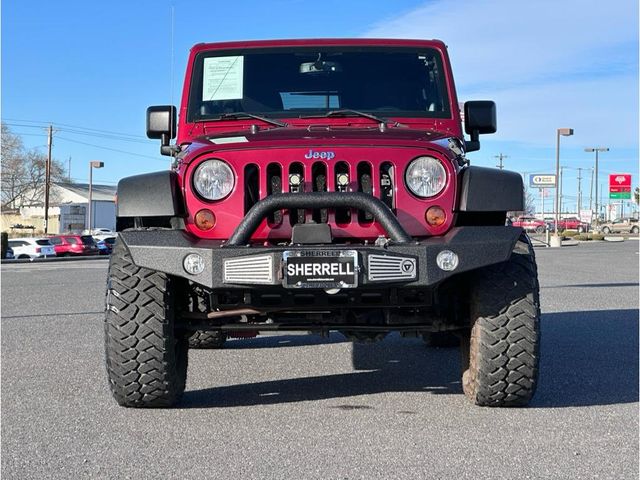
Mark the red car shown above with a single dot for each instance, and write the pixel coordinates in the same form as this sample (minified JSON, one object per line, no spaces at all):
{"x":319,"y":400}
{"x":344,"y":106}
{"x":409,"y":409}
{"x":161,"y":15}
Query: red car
{"x":530,"y":224}
{"x":68,"y":245}
{"x":572,"y":223}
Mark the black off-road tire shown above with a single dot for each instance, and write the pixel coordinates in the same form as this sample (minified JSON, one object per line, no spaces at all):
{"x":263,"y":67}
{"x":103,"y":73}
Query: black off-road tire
{"x":500,"y":361}
{"x":199,"y":303}
{"x":203,"y":339}
{"x":441,"y":339}
{"x":606,"y":230}
{"x":146,"y":358}
{"x":634,"y":229}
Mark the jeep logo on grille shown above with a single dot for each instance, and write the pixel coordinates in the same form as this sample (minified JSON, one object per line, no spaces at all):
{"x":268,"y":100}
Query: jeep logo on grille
{"x":324,"y":155}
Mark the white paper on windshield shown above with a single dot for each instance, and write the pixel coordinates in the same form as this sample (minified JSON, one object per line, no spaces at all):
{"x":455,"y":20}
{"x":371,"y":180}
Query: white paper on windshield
{"x":222,"y":78}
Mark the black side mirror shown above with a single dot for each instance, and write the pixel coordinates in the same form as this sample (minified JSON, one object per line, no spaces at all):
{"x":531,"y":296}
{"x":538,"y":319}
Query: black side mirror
{"x":479,"y":118}
{"x":161,"y":123}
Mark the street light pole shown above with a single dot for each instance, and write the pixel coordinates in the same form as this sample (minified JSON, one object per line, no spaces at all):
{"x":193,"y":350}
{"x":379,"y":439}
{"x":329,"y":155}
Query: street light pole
{"x":93,"y":164}
{"x":565,"y":132}
{"x":596,"y":149}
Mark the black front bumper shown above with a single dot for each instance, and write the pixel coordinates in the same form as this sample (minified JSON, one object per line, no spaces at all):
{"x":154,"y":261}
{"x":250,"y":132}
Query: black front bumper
{"x":476,"y":247}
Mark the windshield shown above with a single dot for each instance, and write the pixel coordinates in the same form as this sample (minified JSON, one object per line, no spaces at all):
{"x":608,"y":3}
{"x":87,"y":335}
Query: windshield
{"x":300,"y":82}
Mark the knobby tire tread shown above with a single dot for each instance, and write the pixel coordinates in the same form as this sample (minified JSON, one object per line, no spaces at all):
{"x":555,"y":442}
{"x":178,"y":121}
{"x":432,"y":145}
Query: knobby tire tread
{"x":146,"y":361}
{"x":504,"y":346}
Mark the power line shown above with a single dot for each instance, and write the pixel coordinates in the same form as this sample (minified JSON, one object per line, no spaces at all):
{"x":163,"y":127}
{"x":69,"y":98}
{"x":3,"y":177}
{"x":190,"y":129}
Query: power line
{"x":71,"y":126}
{"x":82,"y":132}
{"x":111,"y":149}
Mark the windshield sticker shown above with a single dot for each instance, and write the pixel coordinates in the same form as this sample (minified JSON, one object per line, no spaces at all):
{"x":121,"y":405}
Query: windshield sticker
{"x":219,"y":141}
{"x":222,"y":78}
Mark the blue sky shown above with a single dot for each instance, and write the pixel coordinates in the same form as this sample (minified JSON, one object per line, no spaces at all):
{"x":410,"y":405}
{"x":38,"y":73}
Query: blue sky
{"x":547,"y":64}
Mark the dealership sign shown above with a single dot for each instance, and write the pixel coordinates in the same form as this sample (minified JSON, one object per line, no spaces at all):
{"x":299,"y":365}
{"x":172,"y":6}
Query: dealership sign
{"x":620,"y":186}
{"x":542,"y":181}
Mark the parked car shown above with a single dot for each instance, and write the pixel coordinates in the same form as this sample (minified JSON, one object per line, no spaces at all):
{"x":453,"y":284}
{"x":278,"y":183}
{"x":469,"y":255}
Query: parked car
{"x":32,"y":248}
{"x":572,"y":223}
{"x":531,"y":224}
{"x":70,"y":245}
{"x":621,"y":225}
{"x":100,"y":233}
{"x":106,"y":245}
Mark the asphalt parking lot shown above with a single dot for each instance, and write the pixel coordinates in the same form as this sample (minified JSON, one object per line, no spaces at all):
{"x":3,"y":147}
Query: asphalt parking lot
{"x":294,"y":407}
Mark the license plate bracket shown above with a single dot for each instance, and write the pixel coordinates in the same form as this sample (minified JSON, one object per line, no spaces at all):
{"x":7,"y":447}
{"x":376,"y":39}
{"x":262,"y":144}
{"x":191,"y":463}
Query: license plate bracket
{"x":326,"y":269}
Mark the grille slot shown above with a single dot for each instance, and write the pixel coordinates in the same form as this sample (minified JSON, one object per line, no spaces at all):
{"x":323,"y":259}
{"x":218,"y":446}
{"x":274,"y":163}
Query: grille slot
{"x":342,"y":215}
{"x":274,"y":185}
{"x":319,"y":179}
{"x":251,"y":186}
{"x":365,"y":184}
{"x":296,"y":169}
{"x":387,"y":177}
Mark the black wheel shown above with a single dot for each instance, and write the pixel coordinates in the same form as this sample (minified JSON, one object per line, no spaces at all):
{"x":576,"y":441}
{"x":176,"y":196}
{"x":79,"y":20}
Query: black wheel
{"x":198,"y":302}
{"x":500,"y":361}
{"x":539,"y":229}
{"x":634,"y":230}
{"x":146,"y":359}
{"x":441,"y":339}
{"x":580,"y":229}
{"x":204,"y":339}
{"x":606,"y":230}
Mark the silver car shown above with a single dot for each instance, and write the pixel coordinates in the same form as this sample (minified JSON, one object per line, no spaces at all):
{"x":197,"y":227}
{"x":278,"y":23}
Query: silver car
{"x":621,"y":225}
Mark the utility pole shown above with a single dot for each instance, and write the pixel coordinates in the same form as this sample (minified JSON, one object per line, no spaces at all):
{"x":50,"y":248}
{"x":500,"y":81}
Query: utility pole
{"x":591,"y":193}
{"x":596,"y":150}
{"x":69,"y":169}
{"x":500,"y":157}
{"x":47,"y":180}
{"x":579,"y":190}
{"x":560,"y":186}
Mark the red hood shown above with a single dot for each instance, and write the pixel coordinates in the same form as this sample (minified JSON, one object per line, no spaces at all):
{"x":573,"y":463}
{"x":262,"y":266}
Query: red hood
{"x":321,"y":136}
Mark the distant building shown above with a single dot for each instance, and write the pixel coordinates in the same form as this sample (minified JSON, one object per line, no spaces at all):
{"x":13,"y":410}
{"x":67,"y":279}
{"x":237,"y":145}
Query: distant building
{"x":73,"y":200}
{"x":69,"y":205}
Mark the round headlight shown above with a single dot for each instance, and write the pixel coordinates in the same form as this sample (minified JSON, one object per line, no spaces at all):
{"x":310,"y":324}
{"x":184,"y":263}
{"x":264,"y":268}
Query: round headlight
{"x":213,"y":179}
{"x":426,"y":176}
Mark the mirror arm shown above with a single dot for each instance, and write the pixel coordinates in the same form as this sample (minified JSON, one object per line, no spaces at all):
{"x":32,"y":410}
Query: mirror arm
{"x":472,"y":145}
{"x":170,"y":150}
{"x":167,"y":149}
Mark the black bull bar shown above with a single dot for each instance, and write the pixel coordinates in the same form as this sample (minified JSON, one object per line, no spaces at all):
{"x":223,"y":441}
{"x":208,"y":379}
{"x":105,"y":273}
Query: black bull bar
{"x":362,"y":201}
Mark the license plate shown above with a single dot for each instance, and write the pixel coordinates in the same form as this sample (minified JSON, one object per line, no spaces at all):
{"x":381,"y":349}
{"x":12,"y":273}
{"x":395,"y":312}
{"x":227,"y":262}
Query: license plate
{"x":320,"y":269}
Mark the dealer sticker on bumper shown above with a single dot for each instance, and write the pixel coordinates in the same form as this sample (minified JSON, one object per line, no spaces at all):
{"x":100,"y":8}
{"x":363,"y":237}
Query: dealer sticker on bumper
{"x":320,"y":269}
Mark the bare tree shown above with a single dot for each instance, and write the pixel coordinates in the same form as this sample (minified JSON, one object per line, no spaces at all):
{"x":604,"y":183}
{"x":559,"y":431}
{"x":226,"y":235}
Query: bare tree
{"x":529,"y":202}
{"x":23,"y":172}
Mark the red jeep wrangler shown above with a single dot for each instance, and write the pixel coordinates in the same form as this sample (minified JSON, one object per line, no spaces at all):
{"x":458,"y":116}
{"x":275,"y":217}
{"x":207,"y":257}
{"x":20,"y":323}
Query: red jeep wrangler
{"x":321,"y":185}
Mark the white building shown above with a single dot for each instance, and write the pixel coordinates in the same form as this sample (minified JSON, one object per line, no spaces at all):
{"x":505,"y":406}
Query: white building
{"x":70,"y":202}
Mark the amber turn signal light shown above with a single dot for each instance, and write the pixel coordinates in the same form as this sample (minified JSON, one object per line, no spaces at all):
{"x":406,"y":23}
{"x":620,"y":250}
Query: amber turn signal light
{"x":205,"y":219}
{"x":435,"y":216}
